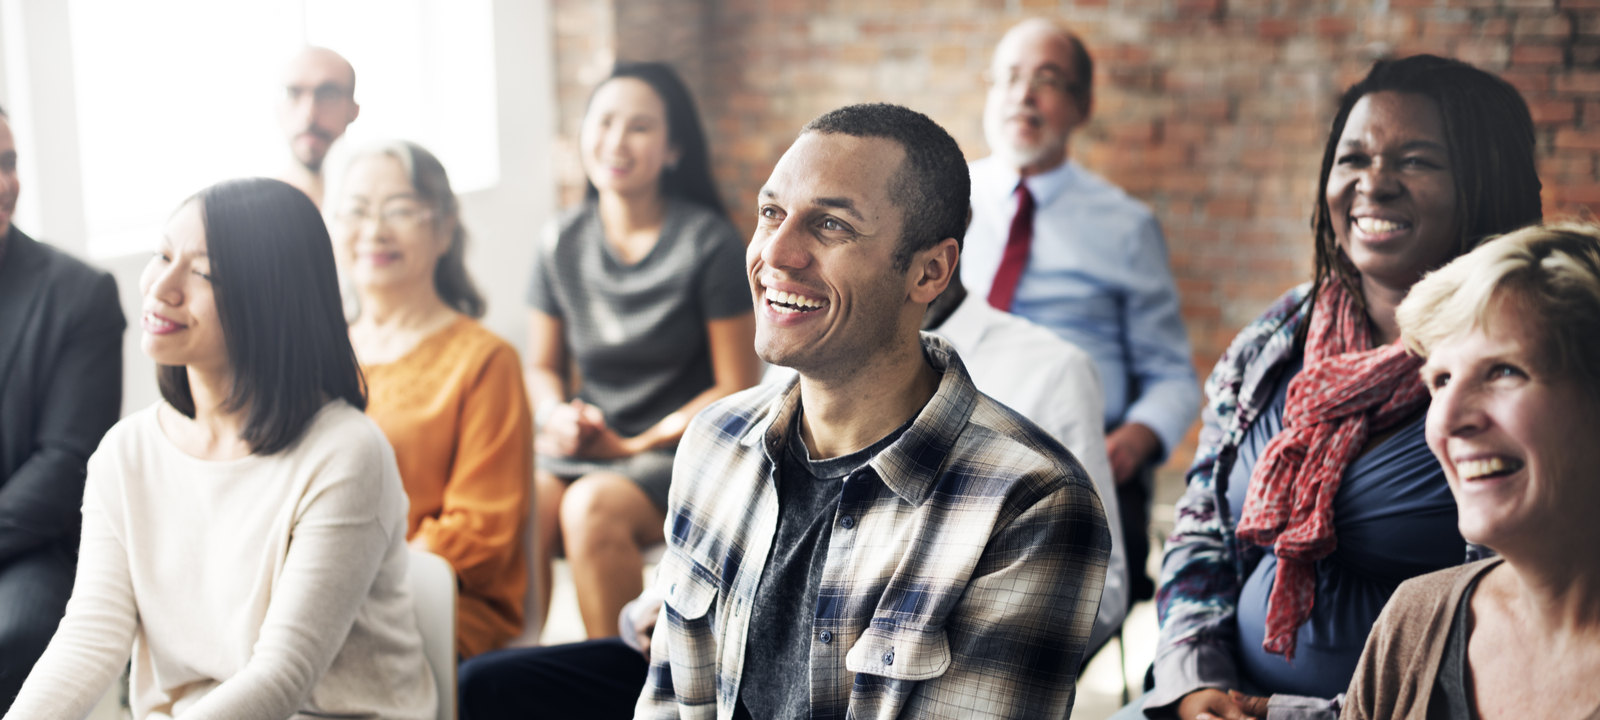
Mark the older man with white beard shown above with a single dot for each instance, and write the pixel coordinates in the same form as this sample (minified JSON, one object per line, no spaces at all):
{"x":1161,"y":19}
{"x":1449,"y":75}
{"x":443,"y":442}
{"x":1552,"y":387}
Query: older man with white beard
{"x":1061,"y":246}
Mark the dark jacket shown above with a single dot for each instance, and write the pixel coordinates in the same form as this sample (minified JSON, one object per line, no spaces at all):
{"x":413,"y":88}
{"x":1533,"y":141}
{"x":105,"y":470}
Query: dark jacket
{"x":60,"y":389}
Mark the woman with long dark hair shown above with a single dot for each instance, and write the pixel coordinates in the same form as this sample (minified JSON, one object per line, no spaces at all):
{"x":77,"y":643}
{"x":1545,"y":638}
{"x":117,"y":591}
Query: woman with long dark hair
{"x":1313,"y":494}
{"x":446,"y":391}
{"x":641,"y":316}
{"x":244,"y":538}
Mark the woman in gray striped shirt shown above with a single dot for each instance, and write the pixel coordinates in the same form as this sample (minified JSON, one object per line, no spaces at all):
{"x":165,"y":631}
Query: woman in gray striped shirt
{"x":640,"y":315}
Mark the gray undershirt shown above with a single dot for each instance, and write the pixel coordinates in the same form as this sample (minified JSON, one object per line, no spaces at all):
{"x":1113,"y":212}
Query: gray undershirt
{"x":776,"y":682}
{"x":1452,"y":687}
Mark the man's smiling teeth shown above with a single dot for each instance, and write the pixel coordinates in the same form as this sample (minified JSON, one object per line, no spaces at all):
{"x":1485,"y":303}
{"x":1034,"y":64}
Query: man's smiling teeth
{"x":1374,"y":226}
{"x":786,"y":302}
{"x":1474,"y":469}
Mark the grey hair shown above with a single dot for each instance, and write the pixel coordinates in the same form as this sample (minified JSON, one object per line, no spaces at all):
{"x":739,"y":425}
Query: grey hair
{"x":432,"y":185}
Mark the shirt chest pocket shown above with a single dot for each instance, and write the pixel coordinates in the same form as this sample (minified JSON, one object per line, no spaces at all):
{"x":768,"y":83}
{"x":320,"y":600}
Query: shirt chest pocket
{"x":900,"y":652}
{"x":690,"y":590}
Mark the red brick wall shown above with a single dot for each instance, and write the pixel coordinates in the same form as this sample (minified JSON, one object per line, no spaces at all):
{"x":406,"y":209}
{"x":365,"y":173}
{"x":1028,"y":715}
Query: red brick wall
{"x":1212,"y":111}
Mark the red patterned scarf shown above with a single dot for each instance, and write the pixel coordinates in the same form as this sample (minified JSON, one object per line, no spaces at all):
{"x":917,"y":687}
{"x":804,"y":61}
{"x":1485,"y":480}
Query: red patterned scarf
{"x":1346,"y":391}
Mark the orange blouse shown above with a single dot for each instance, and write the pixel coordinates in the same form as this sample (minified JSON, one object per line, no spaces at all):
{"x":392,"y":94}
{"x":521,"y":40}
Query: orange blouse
{"x":456,"y":413}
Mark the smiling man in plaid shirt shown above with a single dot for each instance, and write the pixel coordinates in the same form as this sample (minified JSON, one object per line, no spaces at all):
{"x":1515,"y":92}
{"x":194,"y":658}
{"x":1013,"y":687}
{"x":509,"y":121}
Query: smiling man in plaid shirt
{"x":875,"y":539}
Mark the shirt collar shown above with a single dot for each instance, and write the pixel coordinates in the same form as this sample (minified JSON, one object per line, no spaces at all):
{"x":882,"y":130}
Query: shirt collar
{"x":965,"y":326}
{"x":910,"y":464}
{"x":1045,"y":186}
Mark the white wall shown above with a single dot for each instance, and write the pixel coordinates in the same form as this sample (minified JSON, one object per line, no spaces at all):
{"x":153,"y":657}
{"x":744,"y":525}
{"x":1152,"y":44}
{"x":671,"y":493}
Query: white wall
{"x":504,"y":220}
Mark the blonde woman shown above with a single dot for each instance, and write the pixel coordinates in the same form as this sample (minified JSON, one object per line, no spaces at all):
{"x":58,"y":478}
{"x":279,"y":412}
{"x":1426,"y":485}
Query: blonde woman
{"x":1511,"y":333}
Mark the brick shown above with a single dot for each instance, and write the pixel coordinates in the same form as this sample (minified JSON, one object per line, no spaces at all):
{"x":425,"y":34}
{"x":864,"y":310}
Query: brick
{"x":1527,"y":82}
{"x":1571,"y":138}
{"x":1228,"y":209}
{"x":1335,"y":26}
{"x":1277,"y":28}
{"x":1538,"y":55}
{"x":1574,"y":82}
{"x":1541,"y":26}
{"x":1553,"y":112}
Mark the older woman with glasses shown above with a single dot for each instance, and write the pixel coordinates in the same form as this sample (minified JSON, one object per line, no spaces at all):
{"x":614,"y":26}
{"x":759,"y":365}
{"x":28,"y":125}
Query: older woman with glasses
{"x":1511,"y":333}
{"x":446,"y":391}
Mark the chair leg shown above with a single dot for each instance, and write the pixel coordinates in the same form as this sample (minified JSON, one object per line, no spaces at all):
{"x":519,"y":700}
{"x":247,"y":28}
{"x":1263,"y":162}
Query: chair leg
{"x":1122,"y":665}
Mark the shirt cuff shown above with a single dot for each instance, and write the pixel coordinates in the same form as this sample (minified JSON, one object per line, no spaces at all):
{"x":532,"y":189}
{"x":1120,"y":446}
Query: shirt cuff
{"x":1186,"y":668}
{"x":1300,"y":707}
{"x":629,"y":620}
{"x":1168,"y":426}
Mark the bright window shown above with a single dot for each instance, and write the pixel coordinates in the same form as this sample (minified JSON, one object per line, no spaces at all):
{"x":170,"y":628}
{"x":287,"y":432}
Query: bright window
{"x":173,"y":95}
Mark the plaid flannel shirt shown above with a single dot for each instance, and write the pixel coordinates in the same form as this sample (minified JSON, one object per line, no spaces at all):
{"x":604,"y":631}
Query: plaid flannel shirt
{"x":962,"y":576}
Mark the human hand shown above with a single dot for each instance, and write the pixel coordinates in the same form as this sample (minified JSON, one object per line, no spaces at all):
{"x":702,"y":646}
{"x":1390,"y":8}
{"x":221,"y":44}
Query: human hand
{"x":1214,"y":704}
{"x":606,"y":444}
{"x":419,"y":543}
{"x":571,"y":426}
{"x":645,"y":626}
{"x":1255,"y":706}
{"x":1130,"y":446}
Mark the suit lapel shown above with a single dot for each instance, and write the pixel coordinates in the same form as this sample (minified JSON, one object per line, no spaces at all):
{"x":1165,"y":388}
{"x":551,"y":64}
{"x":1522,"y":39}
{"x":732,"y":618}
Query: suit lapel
{"x":21,"y":285}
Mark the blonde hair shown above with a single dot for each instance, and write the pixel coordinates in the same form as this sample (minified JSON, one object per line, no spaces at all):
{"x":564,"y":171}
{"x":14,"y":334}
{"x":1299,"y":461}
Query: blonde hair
{"x":1550,"y":274}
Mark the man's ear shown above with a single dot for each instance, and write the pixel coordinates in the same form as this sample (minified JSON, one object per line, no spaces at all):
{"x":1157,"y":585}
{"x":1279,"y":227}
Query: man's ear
{"x":355,"y":112}
{"x":933,"y":269}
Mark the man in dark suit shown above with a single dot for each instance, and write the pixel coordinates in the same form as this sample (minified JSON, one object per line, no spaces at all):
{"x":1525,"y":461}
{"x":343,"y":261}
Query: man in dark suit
{"x":60,"y":390}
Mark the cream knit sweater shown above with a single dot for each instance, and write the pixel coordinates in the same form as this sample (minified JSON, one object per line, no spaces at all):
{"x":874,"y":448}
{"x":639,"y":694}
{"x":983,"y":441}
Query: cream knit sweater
{"x":261,"y":587}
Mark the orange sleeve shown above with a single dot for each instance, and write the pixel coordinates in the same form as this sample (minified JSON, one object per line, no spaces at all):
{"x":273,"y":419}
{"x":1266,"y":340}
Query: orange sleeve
{"x":487,"y":494}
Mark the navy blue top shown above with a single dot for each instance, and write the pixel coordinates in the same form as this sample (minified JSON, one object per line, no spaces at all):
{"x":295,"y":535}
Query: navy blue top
{"x":1394,"y":518}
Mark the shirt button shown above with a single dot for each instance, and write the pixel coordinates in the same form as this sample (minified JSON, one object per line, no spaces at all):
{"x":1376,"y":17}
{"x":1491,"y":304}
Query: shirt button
{"x":825,"y":636}
{"x":888,"y":658}
{"x":848,"y":522}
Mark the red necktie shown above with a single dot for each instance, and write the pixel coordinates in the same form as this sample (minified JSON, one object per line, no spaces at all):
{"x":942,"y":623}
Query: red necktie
{"x":1018,"y":244}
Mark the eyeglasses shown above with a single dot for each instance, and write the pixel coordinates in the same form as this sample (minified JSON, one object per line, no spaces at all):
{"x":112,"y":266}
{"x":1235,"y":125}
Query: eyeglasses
{"x":1044,"y":80}
{"x":401,"y":215}
{"x":324,"y":94}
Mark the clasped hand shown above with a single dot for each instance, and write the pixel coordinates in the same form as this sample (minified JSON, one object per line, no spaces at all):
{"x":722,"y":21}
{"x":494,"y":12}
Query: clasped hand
{"x":1213,"y":704}
{"x":577,"y":429}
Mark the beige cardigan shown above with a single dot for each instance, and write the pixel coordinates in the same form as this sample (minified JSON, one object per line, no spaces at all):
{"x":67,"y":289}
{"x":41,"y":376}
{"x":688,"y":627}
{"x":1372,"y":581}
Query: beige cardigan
{"x":1396,"y":674}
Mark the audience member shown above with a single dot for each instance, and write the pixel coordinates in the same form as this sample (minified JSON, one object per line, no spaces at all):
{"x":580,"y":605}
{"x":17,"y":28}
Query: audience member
{"x":1511,"y":333}
{"x":1313,"y":494}
{"x":1049,"y":381}
{"x":1059,"y":245}
{"x":640,"y":318}
{"x":60,"y":390}
{"x":1022,"y":365}
{"x":447,"y":392}
{"x":915,"y":545}
{"x":318,"y":103}
{"x":246,"y":537}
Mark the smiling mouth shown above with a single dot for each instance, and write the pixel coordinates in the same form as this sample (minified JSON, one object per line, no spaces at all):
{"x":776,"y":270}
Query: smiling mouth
{"x":790,"y":303}
{"x":1488,"y":468}
{"x":1375,"y":226}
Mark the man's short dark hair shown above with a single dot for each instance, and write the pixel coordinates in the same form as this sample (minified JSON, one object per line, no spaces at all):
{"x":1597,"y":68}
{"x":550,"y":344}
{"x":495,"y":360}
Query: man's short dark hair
{"x":932,"y":187}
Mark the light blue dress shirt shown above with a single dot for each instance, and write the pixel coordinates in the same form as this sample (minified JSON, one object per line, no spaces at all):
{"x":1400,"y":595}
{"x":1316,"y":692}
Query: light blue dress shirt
{"x":1097,"y":276}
